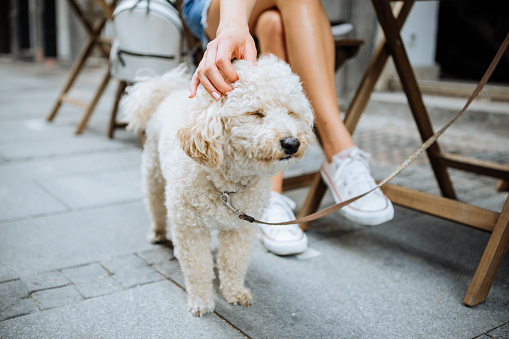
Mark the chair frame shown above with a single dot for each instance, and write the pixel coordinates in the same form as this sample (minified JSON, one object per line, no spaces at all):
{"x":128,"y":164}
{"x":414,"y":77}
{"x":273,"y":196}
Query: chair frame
{"x":446,"y":206}
{"x":94,"y":39}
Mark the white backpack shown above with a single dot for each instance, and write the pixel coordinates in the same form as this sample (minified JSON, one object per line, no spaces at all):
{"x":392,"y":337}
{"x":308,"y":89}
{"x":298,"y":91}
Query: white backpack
{"x":148,"y":39}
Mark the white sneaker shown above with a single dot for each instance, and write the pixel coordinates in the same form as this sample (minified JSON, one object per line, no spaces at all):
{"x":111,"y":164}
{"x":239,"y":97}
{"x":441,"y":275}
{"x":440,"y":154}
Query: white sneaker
{"x":340,"y":28}
{"x":286,"y":239}
{"x":348,"y":176}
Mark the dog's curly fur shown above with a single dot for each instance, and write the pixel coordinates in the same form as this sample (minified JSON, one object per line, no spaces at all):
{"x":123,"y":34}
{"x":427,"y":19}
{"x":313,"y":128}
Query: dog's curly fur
{"x":197,"y":148}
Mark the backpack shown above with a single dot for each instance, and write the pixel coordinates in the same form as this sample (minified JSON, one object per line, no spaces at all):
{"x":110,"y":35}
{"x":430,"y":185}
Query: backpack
{"x":148,"y":39}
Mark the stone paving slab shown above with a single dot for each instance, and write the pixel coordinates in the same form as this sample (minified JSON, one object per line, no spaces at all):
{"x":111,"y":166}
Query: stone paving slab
{"x":92,"y":280}
{"x":373,"y":282}
{"x":96,"y":189}
{"x":500,"y":332}
{"x":45,"y":281}
{"x":27,"y":199}
{"x":130,"y":271}
{"x":15,"y":301}
{"x":59,"y":241}
{"x":149,"y":311}
{"x":74,"y":164}
{"x":51,"y":148}
{"x":74,"y":284}
{"x":15,"y":132}
{"x":56,"y":297}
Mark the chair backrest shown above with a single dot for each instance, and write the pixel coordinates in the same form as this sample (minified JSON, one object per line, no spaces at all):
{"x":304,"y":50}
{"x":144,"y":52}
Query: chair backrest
{"x":148,"y":39}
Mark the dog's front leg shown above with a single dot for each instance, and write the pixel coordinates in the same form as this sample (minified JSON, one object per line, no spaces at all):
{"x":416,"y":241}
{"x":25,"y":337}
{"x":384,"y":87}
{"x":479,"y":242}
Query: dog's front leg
{"x":192,"y":249}
{"x":233,"y":260}
{"x":153,"y":186}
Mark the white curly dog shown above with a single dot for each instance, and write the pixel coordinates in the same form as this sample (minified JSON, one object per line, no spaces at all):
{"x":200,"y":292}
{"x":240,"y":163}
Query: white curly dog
{"x":197,"y":149}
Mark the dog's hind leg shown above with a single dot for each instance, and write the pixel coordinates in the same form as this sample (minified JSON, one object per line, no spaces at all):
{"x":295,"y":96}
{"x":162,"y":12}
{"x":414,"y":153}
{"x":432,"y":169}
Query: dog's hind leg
{"x":233,"y":260}
{"x":192,"y":249}
{"x":153,"y":186}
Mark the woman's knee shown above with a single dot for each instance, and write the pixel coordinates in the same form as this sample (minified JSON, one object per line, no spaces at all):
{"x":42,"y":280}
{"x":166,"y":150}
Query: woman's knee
{"x":269,"y":26}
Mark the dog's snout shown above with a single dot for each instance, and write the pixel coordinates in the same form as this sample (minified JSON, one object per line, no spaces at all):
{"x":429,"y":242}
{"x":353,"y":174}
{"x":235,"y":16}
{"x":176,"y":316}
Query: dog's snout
{"x":290,"y":145}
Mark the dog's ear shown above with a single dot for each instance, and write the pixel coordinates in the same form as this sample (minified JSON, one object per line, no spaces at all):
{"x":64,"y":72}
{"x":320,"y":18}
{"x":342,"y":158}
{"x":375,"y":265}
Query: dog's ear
{"x":201,"y":137}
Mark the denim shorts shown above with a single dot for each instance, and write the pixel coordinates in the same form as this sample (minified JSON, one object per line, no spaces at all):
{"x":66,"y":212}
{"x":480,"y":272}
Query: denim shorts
{"x":195,"y":16}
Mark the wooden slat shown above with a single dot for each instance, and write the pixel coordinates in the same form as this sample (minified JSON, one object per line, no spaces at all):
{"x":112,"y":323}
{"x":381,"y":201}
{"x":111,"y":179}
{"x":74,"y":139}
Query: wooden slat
{"x":490,"y":261}
{"x":483,"y":167}
{"x":503,"y":186}
{"x":81,"y":17}
{"x":76,"y":69}
{"x":346,"y":49}
{"x":298,"y":181}
{"x":73,"y":101}
{"x":91,"y":106}
{"x":107,"y":9}
{"x":442,"y":207}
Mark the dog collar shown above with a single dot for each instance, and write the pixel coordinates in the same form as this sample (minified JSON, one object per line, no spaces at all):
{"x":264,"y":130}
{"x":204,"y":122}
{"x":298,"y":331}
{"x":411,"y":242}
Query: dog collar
{"x":225,"y":198}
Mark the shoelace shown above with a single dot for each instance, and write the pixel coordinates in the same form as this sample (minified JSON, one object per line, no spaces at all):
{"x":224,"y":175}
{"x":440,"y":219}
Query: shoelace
{"x":356,"y":168}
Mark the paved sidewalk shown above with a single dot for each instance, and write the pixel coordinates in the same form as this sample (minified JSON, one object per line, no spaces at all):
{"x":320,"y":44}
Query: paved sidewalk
{"x":74,"y":261}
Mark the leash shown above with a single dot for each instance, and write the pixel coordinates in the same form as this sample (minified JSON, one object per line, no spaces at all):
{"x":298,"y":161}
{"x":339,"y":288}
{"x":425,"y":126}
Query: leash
{"x":225,"y":198}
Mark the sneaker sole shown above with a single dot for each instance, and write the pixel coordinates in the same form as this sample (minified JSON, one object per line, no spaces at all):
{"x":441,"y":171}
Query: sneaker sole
{"x":370,"y":220}
{"x":288,"y":248}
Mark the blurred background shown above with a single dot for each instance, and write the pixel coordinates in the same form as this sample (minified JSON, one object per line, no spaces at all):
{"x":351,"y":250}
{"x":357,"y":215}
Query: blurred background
{"x":447,"y":41}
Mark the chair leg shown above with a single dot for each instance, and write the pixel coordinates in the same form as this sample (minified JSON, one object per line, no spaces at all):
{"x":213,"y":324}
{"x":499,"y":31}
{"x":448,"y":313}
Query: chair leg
{"x":490,"y":261}
{"x":84,"y":120}
{"x":503,"y":185}
{"x":313,"y":198}
{"x":76,"y":67}
{"x":412,"y":91}
{"x":113,"y":118}
{"x":371,"y":75}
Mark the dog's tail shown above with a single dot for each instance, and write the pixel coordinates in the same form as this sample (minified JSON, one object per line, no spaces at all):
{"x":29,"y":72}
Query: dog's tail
{"x":144,"y":97}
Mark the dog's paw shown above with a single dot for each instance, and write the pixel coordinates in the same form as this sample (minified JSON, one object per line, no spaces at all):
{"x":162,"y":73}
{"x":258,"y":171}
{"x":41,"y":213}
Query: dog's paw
{"x":199,"y":307}
{"x":157,"y":238}
{"x":241,"y":296}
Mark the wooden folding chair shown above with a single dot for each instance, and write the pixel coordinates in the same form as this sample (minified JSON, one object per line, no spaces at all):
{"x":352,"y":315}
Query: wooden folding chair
{"x":445,"y":207}
{"x":94,"y":29}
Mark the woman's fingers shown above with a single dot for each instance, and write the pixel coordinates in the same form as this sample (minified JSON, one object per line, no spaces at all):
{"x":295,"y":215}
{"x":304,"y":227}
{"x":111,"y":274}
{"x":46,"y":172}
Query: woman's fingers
{"x":209,"y":74}
{"x":215,"y":69}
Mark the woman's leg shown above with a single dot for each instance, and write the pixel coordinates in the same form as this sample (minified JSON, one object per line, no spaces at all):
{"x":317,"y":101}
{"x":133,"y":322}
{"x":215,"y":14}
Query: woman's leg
{"x":309,"y":48}
{"x":270,"y":33}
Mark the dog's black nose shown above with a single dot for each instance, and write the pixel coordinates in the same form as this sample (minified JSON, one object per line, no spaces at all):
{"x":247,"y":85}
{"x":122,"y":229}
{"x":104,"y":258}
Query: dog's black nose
{"x":290,"y":145}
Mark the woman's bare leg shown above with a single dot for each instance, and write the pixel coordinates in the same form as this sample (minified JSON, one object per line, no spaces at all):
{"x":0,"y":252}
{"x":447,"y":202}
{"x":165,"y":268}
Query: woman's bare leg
{"x":310,"y":52}
{"x":270,"y":33}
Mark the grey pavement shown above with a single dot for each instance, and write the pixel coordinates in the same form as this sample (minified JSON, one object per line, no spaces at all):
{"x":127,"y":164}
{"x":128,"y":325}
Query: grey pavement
{"x":75,"y":262}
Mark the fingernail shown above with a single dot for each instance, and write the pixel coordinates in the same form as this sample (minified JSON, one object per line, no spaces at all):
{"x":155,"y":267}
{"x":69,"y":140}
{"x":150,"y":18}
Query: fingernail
{"x":215,"y":95}
{"x":189,"y":93}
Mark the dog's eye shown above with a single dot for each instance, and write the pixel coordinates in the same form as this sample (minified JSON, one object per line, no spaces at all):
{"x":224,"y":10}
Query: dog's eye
{"x":258,"y":114}
{"x":293,"y":114}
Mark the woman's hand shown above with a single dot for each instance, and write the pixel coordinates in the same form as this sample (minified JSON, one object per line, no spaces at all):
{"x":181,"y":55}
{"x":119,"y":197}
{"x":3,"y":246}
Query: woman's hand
{"x":216,"y":66}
